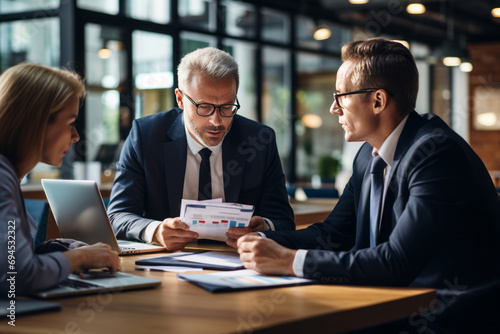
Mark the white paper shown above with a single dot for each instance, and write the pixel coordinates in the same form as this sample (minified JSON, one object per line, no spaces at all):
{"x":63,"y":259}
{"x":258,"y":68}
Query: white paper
{"x":211,"y":219}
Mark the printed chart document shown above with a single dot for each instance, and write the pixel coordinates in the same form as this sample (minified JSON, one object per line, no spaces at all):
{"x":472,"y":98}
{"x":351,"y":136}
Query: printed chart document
{"x":241,"y":280}
{"x":211,"y":219}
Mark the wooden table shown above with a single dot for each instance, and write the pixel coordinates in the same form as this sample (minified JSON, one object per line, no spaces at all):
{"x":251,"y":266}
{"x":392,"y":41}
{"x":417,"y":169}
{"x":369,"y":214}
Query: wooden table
{"x":180,"y":307}
{"x":312,"y":211}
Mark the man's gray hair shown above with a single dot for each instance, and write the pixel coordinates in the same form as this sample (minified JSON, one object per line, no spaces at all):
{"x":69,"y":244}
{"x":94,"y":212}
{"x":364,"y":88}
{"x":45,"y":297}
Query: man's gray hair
{"x":210,"y":62}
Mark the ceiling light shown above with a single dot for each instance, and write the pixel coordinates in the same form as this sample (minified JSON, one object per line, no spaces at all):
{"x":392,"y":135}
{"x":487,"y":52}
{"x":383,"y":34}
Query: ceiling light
{"x":466,"y":67}
{"x":452,"y":53}
{"x":311,"y":121}
{"x":415,"y":8}
{"x":358,"y":2}
{"x":322,"y":32}
{"x":104,"y":53}
{"x":451,"y":61}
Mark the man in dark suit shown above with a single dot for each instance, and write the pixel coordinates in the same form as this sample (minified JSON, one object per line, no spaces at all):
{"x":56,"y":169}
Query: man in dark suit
{"x":432,"y":221}
{"x":163,"y":161}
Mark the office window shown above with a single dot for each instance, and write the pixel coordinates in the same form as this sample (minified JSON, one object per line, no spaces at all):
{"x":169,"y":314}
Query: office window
{"x":153,"y":76}
{"x":192,"y":41}
{"x":319,"y":135}
{"x":304,"y":31}
{"x":149,"y":10}
{"x":239,"y":19}
{"x":441,"y":93}
{"x":43,"y":6}
{"x":244,"y":54}
{"x":197,"y":13}
{"x":276,"y":97}
{"x":104,"y":6}
{"x":30,"y":40}
{"x":105,"y":65}
{"x":275,"y":26}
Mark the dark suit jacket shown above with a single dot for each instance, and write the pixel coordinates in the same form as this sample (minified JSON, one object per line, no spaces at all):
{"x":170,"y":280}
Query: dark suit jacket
{"x":150,"y":173}
{"x":440,"y":226}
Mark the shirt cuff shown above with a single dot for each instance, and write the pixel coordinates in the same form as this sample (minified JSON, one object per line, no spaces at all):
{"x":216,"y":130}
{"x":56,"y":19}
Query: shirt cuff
{"x":298,"y":262}
{"x":262,"y":234}
{"x":149,"y":232}
{"x":270,"y":224}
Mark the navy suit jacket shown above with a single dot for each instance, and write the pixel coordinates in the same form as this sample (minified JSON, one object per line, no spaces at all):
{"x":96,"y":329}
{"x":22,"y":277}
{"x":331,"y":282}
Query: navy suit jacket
{"x":150,"y":173}
{"x":440,"y":226}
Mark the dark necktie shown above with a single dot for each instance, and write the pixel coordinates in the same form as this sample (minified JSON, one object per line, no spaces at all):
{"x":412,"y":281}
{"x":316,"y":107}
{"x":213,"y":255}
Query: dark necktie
{"x":377,"y":190}
{"x":205,"y":182}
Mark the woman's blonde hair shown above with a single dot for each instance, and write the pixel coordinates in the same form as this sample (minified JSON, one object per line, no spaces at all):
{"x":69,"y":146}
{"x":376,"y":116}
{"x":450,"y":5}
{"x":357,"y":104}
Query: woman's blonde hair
{"x":30,"y":97}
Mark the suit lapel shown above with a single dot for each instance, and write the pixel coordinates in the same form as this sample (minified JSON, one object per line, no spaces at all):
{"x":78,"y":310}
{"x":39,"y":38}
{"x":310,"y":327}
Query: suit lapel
{"x":233,"y":162}
{"x":363,"y":219}
{"x":175,"y":155}
{"x":387,"y":224}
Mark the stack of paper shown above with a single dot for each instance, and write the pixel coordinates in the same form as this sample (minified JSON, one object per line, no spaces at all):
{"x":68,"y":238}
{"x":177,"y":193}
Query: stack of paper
{"x":211,"y":218}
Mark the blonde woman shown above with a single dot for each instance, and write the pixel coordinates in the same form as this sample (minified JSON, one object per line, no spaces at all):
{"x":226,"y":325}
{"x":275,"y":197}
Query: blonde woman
{"x":38,"y":109}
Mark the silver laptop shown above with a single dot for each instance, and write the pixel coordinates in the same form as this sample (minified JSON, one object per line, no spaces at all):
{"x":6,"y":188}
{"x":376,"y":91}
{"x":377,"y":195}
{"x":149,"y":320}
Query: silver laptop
{"x":80,"y":214}
{"x":97,"y":282}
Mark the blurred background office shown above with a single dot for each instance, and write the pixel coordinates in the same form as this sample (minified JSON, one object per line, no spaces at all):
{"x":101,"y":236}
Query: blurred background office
{"x":288,"y":52}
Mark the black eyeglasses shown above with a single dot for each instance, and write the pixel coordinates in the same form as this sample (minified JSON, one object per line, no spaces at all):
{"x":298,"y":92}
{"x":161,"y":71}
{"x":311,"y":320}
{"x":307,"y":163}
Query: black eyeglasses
{"x":207,"y":109}
{"x":361,"y":91}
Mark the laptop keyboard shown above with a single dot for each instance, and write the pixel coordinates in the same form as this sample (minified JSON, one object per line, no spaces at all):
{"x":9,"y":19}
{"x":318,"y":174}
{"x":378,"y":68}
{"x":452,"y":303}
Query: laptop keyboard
{"x":78,"y":284}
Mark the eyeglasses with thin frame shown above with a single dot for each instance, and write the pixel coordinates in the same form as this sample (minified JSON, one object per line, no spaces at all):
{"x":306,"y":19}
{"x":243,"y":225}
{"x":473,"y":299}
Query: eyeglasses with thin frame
{"x":361,"y":91}
{"x":207,"y":109}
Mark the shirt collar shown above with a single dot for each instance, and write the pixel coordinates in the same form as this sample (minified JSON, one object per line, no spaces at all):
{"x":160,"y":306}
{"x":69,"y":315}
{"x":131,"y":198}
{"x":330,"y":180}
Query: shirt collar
{"x":196,"y":147}
{"x":388,"y":148}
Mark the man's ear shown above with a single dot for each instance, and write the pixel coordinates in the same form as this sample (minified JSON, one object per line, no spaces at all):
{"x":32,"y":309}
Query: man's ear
{"x":380,"y":99}
{"x":178,"y":98}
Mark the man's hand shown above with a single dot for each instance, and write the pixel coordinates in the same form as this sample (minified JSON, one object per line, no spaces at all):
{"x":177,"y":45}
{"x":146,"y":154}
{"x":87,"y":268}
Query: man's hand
{"x":265,"y":255}
{"x":96,"y":256}
{"x":257,"y":223}
{"x":174,"y":234}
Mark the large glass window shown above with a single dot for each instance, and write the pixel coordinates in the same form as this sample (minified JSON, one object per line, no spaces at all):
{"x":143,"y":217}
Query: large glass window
{"x":198,"y":13}
{"x":192,"y":41}
{"x":239,"y":18}
{"x":104,"y":6}
{"x":276,"y":97}
{"x":244,"y":54}
{"x":275,"y":26}
{"x":149,"y":10}
{"x":105,"y":65}
{"x":43,"y":6}
{"x":306,"y":27}
{"x":319,"y":136}
{"x":30,"y":40}
{"x":152,"y":68}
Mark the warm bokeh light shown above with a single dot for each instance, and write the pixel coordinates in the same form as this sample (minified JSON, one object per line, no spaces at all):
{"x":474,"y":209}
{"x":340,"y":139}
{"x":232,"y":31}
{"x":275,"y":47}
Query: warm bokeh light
{"x":358,"y":2}
{"x":322,"y":33}
{"x":466,"y":67}
{"x":495,"y":12}
{"x":311,"y":121}
{"x":452,"y":61}
{"x":415,"y":8}
{"x":104,"y":53}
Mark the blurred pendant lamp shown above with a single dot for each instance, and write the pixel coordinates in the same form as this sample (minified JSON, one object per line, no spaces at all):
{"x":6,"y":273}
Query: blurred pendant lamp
{"x":415,"y":8}
{"x":321,"y":31}
{"x":453,"y":52}
{"x":495,"y":10}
